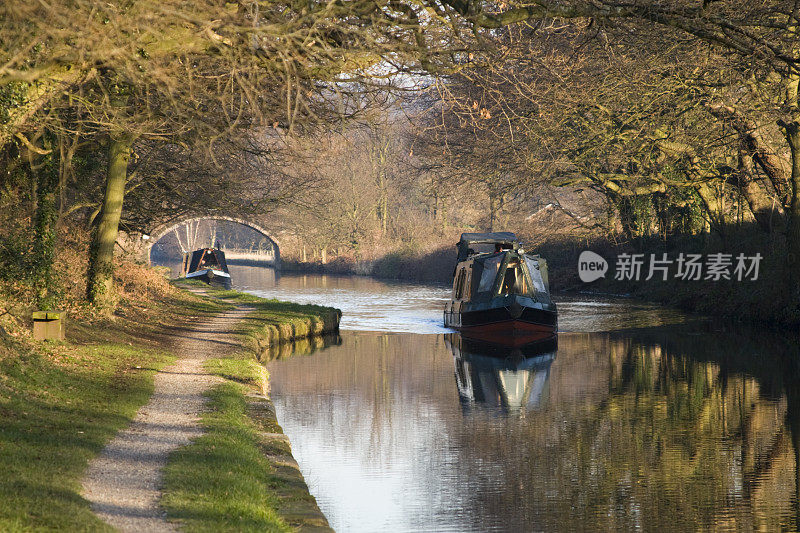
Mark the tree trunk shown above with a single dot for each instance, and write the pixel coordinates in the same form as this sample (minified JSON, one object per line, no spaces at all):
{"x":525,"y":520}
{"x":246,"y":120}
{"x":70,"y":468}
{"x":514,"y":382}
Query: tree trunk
{"x":380,"y":161}
{"x":101,"y":261}
{"x":492,"y":212}
{"x":750,"y":134}
{"x":793,"y":233}
{"x":761,"y":205}
{"x":385,"y":213}
{"x":627,"y":218}
{"x":45,"y":219}
{"x":711,"y":204}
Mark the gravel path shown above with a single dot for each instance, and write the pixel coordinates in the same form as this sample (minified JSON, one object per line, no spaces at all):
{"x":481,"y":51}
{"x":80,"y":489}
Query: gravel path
{"x":123,"y":484}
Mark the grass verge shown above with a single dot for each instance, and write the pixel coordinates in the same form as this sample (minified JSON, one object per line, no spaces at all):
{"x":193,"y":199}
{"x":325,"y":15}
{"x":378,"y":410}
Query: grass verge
{"x":268,"y":330}
{"x":240,"y":475}
{"x":223,"y":481}
{"x":273,"y":322}
{"x":61,"y":402}
{"x":59,"y":407}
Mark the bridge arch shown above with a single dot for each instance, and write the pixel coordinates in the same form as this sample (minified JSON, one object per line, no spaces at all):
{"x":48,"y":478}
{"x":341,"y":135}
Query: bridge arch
{"x":161,"y":231}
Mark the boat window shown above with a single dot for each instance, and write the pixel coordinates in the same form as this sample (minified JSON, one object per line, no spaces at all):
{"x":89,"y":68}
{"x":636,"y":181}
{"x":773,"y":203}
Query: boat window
{"x":475,"y":277}
{"x":460,"y":283}
{"x":490,"y":267}
{"x":209,"y":260}
{"x":536,"y":274}
{"x":514,"y":281}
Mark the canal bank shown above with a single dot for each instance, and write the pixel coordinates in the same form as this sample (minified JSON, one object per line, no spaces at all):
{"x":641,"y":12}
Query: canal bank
{"x":239,"y":473}
{"x":61,"y":403}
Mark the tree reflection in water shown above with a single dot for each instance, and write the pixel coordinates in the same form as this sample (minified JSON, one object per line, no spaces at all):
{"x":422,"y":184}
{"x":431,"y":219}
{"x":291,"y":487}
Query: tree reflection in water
{"x":655,"y":428}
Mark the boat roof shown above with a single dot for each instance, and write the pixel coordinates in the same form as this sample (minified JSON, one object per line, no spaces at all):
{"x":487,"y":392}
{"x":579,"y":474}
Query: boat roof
{"x":497,"y":237}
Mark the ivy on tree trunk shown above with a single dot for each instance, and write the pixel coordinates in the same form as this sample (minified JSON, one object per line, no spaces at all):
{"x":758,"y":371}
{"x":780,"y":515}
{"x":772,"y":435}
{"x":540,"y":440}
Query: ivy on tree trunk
{"x":45,"y":180}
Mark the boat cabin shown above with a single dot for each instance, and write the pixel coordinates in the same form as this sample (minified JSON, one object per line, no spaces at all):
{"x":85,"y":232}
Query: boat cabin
{"x":204,"y":259}
{"x":506,"y":270}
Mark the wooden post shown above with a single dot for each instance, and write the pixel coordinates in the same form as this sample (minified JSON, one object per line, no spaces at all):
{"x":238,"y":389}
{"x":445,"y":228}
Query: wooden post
{"x":48,"y":325}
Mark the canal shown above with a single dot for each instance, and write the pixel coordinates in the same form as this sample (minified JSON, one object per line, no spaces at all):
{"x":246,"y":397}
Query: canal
{"x":640,"y":418}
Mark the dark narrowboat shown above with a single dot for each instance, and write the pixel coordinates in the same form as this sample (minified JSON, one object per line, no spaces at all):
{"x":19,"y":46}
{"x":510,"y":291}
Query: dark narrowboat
{"x":500,"y":292}
{"x":208,"y":265}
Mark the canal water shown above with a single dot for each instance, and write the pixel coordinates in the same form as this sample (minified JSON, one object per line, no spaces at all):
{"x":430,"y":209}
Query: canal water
{"x":639,"y":418}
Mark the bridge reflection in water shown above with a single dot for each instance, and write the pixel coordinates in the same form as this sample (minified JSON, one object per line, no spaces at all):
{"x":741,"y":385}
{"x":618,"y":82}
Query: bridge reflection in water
{"x":660,"y":428}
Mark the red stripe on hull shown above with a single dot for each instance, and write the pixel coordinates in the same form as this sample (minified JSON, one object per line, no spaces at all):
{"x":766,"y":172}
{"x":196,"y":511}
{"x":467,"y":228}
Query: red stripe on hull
{"x":509,"y":332}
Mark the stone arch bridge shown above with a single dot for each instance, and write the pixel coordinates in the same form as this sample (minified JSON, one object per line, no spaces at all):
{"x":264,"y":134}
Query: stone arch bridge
{"x":271,"y":258}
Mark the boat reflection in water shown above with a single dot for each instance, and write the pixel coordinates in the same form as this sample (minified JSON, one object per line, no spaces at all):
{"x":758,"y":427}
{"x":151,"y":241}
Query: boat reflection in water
{"x":508,"y":379}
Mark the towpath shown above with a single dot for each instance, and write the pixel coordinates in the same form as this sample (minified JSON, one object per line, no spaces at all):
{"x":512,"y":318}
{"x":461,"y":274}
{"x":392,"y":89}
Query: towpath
{"x":124,"y":483}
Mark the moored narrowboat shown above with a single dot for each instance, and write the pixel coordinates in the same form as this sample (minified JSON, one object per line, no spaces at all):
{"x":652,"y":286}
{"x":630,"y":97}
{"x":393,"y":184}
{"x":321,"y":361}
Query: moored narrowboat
{"x":208,"y":265}
{"x":501,"y":293}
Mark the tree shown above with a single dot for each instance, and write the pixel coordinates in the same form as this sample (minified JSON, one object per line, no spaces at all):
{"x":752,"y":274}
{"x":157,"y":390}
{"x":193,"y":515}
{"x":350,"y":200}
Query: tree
{"x":597,"y":104}
{"x":133,"y":72}
{"x":759,"y":39}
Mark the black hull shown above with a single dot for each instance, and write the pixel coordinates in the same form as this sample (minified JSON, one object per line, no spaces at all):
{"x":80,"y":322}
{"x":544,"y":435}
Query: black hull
{"x":529,"y":315}
{"x":513,"y":325}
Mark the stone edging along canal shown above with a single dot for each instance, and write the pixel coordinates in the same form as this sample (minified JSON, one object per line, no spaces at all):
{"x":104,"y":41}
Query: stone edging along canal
{"x":267,"y":334}
{"x":125,"y":483}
